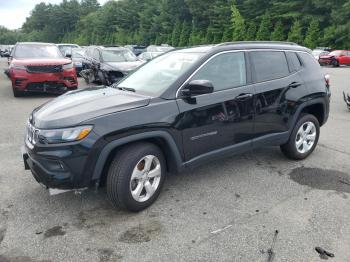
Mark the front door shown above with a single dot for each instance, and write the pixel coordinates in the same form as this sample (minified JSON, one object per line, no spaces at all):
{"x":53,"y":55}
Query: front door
{"x":223,"y":118}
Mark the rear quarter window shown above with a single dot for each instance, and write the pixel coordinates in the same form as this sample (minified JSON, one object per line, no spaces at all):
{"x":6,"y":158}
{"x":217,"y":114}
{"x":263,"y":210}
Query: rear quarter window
{"x":293,"y":61}
{"x":309,"y":61}
{"x":269,"y":65}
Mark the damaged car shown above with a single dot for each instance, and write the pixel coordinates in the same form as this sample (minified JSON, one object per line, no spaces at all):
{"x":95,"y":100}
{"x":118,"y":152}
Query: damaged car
{"x":108,"y":65}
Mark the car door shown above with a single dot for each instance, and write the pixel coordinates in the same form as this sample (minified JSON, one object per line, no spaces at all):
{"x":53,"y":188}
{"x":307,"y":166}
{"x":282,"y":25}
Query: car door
{"x":222,"y":119}
{"x":275,"y":82}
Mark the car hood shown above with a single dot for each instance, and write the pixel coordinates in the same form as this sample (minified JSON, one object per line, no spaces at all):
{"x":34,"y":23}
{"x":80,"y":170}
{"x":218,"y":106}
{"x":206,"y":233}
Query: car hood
{"x":326,"y":56}
{"x":75,"y":107}
{"x":40,"y":61}
{"x":124,"y":66}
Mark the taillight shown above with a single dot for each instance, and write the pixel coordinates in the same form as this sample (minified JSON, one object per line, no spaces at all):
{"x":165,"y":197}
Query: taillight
{"x":327,"y":79}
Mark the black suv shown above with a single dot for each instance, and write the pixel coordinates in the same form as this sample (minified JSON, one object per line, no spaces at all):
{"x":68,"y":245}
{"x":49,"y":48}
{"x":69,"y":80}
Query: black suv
{"x":183,"y":108}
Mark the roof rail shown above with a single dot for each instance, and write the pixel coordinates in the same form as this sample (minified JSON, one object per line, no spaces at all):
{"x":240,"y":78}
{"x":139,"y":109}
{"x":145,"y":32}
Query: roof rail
{"x":258,"y":42}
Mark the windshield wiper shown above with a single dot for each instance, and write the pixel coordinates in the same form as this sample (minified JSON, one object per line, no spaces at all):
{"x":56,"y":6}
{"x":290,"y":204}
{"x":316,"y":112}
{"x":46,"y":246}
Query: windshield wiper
{"x":127,"y":89}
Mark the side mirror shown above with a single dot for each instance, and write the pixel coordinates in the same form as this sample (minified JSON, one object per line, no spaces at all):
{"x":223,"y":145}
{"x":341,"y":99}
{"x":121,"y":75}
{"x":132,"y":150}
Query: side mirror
{"x":6,"y":55}
{"x":197,"y":87}
{"x":68,"y":55}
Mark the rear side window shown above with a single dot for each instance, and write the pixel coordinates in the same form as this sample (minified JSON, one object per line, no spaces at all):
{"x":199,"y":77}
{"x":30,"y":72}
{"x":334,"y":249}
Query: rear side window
{"x":225,"y":71}
{"x":269,"y":65}
{"x":293,"y":61}
{"x":309,"y":61}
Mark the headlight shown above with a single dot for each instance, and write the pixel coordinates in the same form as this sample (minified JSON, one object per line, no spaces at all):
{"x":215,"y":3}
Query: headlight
{"x":67,"y":66}
{"x":18,"y":67}
{"x":64,"y":135}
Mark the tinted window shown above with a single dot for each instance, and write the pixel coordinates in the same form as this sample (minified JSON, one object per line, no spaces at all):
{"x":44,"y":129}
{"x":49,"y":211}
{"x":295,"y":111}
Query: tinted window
{"x":309,"y":61}
{"x":269,"y":65}
{"x":294,"y":62}
{"x":224,"y":71}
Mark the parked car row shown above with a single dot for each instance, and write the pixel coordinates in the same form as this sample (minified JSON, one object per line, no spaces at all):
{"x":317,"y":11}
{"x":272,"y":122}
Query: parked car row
{"x":5,"y":50}
{"x":328,"y":57}
{"x":44,"y":67}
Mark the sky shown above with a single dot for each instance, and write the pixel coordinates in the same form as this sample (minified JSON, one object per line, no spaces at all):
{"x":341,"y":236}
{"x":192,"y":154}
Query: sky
{"x":13,"y":13}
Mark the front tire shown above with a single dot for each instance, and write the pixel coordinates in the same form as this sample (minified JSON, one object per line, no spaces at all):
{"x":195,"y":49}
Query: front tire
{"x":17,"y":93}
{"x":304,"y":138}
{"x":136,"y":176}
{"x":335,"y":63}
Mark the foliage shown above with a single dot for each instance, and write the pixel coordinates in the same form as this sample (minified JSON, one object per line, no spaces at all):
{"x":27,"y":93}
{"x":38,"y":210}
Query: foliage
{"x":186,"y":22}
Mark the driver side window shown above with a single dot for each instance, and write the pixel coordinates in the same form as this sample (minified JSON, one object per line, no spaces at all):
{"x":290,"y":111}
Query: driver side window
{"x":225,"y":71}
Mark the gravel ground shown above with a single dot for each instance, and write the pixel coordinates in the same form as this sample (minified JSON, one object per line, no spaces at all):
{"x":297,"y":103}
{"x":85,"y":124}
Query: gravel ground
{"x":228,"y":210}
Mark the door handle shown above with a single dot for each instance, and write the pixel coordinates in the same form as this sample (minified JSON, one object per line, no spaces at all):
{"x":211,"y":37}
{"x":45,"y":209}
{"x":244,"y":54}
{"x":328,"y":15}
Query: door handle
{"x":244,"y":96}
{"x":294,"y":85}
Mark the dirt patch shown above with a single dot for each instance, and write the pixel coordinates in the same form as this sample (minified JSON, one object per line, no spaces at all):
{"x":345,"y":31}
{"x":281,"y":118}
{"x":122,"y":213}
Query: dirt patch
{"x":107,"y":254}
{"x":142,"y":233}
{"x":54,"y":231}
{"x":100,"y":217}
{"x":321,"y":179}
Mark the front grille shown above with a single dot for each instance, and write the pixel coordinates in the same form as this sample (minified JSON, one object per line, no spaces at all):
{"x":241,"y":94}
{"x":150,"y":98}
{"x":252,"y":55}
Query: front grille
{"x":32,"y":134}
{"x":51,"y":86}
{"x":45,"y":69}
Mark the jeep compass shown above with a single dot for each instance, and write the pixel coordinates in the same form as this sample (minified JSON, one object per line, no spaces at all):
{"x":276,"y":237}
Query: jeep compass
{"x":183,"y":108}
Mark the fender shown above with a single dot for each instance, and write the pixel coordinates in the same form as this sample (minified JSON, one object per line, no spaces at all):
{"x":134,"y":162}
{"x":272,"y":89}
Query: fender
{"x":320,"y":100}
{"x":176,"y":156}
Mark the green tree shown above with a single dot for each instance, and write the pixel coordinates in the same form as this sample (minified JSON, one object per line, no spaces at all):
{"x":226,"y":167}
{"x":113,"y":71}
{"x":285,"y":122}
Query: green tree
{"x":296,"y":33}
{"x":238,"y":24}
{"x":312,"y":34}
{"x":175,"y":39}
{"x":185,"y":34}
{"x":264,"y":32}
{"x":251,"y":32}
{"x":278,"y":32}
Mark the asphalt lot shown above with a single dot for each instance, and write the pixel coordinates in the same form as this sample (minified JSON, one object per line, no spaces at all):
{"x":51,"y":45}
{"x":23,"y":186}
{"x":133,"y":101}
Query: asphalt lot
{"x":228,"y":210}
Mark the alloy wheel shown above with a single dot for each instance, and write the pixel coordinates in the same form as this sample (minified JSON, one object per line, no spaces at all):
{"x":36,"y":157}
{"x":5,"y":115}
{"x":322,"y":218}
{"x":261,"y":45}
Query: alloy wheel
{"x":305,"y":138}
{"x":145,"y":178}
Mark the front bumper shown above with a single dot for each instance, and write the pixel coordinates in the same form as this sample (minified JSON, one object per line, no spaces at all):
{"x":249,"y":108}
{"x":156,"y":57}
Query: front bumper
{"x":44,"y":82}
{"x":58,"y":167}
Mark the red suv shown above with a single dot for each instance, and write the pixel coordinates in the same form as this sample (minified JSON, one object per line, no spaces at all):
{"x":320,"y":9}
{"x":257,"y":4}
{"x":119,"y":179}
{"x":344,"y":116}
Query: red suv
{"x":40,"y":67}
{"x":335,"y":58}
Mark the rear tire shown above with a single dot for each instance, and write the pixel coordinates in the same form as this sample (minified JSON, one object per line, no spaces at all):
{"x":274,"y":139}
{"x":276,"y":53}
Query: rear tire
{"x":304,"y":138}
{"x":136,"y":176}
{"x":335,"y":63}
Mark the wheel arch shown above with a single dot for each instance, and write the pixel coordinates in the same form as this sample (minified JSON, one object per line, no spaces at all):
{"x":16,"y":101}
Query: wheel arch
{"x":316,"y":107}
{"x":161,"y":138}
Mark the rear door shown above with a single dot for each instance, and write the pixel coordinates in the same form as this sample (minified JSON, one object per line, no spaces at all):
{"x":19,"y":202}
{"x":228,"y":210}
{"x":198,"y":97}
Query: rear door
{"x":223,"y":118}
{"x":274,"y":79}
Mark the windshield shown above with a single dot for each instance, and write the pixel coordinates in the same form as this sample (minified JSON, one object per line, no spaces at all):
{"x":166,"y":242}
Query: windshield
{"x":317,"y":52}
{"x":66,"y":48}
{"x":157,"y":76}
{"x":78,"y":53}
{"x":118,"y":56}
{"x":336,"y":53}
{"x":37,"y":51}
{"x":162,"y":49}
